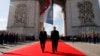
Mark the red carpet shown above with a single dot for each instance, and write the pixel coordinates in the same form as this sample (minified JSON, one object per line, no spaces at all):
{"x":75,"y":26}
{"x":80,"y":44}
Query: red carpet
{"x":34,"y":50}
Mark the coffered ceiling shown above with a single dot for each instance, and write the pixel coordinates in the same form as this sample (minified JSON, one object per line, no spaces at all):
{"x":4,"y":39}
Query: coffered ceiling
{"x":59,"y":2}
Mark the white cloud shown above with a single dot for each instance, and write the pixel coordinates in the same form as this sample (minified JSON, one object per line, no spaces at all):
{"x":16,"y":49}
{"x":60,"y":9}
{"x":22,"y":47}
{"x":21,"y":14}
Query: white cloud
{"x":3,"y":20}
{"x":48,"y":28}
{"x":1,"y":28}
{"x":57,"y":12}
{"x":3,"y":23}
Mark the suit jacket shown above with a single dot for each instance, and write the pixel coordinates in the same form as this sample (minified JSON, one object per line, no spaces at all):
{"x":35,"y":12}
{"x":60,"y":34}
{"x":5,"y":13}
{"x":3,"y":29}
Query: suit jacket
{"x":43,"y":35}
{"x":55,"y":35}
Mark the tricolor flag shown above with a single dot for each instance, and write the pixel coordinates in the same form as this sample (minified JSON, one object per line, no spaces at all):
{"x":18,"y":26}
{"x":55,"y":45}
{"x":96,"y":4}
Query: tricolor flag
{"x":46,"y":15}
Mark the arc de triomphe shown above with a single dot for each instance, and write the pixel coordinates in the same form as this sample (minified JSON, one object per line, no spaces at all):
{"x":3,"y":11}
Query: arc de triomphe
{"x":80,"y":16}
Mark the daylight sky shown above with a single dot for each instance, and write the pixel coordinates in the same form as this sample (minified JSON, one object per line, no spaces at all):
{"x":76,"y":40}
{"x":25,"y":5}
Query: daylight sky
{"x":4,"y":9}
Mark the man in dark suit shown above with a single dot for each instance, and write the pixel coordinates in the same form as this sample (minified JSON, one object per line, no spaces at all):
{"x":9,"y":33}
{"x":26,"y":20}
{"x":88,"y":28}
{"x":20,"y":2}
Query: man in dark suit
{"x":54,"y":38}
{"x":42,"y":38}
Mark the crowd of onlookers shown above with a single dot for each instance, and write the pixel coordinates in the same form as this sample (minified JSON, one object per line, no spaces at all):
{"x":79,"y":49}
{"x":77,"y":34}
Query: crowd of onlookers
{"x":89,"y":37}
{"x":13,"y":38}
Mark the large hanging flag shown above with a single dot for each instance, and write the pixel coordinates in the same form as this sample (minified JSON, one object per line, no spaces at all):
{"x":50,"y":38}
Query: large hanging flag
{"x":50,"y":15}
{"x":46,"y":15}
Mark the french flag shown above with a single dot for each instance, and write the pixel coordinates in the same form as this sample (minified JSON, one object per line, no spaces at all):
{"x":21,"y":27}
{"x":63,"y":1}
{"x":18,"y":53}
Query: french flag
{"x":46,"y":15}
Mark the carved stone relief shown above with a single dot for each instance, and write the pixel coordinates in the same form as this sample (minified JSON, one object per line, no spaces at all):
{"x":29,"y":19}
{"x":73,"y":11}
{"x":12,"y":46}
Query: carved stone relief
{"x":21,"y":13}
{"x":86,"y":15}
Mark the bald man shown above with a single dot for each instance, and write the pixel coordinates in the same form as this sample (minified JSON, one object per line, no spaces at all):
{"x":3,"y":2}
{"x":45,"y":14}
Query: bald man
{"x":54,"y":38}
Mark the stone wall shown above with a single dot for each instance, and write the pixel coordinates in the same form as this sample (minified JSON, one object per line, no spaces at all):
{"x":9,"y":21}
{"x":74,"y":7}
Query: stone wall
{"x":73,"y":22}
{"x":29,"y":12}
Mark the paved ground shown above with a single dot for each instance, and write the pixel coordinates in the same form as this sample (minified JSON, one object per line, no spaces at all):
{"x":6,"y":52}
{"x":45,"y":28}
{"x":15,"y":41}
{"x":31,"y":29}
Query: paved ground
{"x":10,"y":47}
{"x":88,"y":48}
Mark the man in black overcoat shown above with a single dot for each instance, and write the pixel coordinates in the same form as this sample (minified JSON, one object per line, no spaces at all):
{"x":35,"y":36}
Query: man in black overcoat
{"x":54,"y":38}
{"x":43,"y":38}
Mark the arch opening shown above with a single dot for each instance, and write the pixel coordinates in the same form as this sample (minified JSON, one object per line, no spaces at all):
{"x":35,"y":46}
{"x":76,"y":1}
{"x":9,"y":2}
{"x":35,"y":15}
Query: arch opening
{"x":58,"y":20}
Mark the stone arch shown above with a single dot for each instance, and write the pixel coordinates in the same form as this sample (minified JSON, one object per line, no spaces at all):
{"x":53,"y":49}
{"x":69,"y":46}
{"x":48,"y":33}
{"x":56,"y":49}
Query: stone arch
{"x":59,"y":2}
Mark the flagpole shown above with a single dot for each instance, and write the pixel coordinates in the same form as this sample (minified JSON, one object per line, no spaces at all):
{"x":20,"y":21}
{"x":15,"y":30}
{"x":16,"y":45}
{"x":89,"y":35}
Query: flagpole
{"x":52,"y":8}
